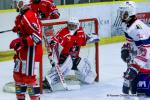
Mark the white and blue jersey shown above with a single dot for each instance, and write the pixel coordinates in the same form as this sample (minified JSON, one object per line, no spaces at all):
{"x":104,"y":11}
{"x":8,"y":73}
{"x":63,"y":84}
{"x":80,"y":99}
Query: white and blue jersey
{"x":139,"y":34}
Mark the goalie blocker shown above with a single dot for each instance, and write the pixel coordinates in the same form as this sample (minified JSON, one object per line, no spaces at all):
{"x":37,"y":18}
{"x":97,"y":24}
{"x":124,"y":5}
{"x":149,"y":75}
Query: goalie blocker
{"x":84,"y":73}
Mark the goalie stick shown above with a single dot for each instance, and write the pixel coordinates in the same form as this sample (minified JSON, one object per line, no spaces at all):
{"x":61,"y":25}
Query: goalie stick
{"x":57,"y":67}
{"x":5,"y":31}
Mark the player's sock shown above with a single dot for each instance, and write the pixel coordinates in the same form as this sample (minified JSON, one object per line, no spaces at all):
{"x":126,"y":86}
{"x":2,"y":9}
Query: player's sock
{"x":34,"y":97}
{"x":20,"y":96}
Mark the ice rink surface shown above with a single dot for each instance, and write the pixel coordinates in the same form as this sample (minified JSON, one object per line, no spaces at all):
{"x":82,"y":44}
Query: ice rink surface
{"x":108,"y":88}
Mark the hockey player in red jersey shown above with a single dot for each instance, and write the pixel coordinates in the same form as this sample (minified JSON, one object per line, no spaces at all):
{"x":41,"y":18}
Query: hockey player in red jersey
{"x":46,"y":9}
{"x":28,"y":47}
{"x":70,"y":39}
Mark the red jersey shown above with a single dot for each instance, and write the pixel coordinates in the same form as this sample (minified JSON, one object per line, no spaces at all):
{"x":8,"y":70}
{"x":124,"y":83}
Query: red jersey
{"x":17,"y":24}
{"x":29,"y":26}
{"x":29,"y":57}
{"x":70,"y":43}
{"x":46,"y":9}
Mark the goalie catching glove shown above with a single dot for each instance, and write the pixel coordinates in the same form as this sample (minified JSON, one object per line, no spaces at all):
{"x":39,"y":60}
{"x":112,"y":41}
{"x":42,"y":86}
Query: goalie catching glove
{"x":92,"y":38}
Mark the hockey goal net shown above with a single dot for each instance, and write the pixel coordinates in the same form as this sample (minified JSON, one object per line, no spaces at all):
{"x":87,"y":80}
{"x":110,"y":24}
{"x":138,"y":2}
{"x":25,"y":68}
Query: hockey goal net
{"x":90,"y":25}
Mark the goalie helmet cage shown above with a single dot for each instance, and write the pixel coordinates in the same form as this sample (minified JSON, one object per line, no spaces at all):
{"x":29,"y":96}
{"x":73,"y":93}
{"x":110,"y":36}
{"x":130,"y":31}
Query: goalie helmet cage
{"x":90,"y":25}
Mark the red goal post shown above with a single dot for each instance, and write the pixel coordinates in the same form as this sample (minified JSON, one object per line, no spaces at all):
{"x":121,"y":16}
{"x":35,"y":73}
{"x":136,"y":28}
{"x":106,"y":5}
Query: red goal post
{"x":88,"y":24}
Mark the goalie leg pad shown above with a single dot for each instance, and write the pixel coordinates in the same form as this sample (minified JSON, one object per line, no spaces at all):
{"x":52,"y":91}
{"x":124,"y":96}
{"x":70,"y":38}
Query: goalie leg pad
{"x":85,"y":73}
{"x":65,"y":67}
{"x":53,"y":78}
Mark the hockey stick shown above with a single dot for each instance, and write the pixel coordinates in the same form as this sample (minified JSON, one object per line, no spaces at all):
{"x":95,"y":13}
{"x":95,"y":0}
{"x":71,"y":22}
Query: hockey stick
{"x":58,"y":69}
{"x":62,"y":79}
{"x":5,"y":31}
{"x":65,"y":86}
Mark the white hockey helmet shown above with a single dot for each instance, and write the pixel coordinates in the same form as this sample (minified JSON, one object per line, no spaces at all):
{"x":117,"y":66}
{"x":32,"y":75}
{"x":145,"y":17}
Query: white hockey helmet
{"x":22,"y":3}
{"x":127,"y":9}
{"x":73,"y":23}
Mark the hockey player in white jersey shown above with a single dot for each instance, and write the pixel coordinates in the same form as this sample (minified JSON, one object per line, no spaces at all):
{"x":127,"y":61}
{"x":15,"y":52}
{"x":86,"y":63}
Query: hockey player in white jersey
{"x":136,"y":51}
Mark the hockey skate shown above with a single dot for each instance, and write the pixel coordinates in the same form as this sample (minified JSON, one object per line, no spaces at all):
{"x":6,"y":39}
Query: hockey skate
{"x":46,"y":86}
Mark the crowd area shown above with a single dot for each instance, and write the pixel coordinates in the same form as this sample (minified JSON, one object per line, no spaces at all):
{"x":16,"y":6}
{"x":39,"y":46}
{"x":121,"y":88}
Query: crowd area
{"x":11,"y":4}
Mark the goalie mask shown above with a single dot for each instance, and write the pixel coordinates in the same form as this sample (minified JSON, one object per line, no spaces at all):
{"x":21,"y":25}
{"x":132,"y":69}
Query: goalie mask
{"x":73,"y":24}
{"x":126,"y":10}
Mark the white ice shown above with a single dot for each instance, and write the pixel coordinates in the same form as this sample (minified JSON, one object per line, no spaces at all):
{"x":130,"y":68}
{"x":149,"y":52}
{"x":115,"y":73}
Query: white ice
{"x":108,"y":88}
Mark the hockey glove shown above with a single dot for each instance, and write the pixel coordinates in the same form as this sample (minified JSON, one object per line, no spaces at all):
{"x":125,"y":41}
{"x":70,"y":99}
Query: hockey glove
{"x":92,"y":38}
{"x":54,"y":15}
{"x":130,"y":73}
{"x":125,"y":53}
{"x":15,"y":29}
{"x":17,"y":44}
